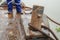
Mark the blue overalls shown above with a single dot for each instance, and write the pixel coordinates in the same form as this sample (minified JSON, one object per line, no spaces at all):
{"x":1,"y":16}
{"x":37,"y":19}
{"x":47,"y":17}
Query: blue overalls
{"x":17,"y":4}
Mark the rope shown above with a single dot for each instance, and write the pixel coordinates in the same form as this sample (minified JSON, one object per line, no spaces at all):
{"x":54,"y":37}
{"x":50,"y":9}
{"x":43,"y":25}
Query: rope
{"x":41,"y":32}
{"x":14,"y":7}
{"x":50,"y":31}
{"x":31,"y":9}
{"x":53,"y":21}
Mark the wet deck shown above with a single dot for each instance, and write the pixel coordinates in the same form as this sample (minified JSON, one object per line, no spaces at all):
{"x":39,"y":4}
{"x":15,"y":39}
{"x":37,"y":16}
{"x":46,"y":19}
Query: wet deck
{"x":4,"y":21}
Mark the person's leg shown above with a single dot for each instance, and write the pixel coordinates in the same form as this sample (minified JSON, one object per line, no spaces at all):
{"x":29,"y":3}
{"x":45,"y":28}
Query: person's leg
{"x":18,"y":9}
{"x":18,"y":6}
{"x":10,"y":8}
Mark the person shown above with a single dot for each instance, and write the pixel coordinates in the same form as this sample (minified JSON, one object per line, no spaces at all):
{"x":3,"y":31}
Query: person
{"x":10,"y":8}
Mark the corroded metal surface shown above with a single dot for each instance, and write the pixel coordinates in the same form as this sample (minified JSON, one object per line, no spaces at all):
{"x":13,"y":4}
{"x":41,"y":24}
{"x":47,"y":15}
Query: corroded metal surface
{"x":36,"y":20}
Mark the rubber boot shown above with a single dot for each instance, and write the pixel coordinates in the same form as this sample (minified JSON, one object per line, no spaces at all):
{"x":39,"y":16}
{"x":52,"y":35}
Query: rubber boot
{"x":10,"y":15}
{"x":18,"y":15}
{"x":10,"y":18}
